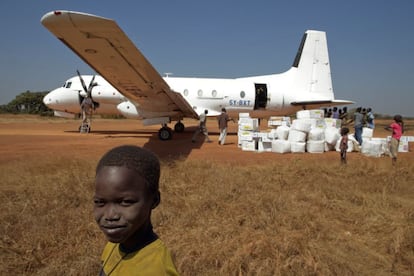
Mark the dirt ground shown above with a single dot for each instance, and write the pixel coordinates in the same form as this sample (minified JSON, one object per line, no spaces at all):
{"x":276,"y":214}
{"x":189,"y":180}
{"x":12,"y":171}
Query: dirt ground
{"x":27,"y":137}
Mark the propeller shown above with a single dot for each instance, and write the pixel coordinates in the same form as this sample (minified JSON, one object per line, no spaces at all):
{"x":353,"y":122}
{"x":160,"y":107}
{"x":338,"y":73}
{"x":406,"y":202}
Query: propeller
{"x":87,"y":89}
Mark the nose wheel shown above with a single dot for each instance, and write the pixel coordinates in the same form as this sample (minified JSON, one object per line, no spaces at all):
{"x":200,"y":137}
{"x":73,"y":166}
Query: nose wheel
{"x":85,"y":127}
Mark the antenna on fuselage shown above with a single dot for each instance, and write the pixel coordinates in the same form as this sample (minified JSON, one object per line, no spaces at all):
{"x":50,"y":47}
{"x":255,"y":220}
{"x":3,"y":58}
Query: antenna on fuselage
{"x":168,"y":74}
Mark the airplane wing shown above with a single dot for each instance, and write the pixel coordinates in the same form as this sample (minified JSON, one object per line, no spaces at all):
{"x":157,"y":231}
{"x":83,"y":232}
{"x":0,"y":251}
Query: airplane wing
{"x":102,"y":44}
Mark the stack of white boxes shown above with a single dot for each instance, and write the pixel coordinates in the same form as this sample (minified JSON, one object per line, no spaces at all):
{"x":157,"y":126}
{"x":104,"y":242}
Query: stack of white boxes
{"x":376,"y":147}
{"x":404,"y":147}
{"x":371,"y":146}
{"x":247,"y":127}
{"x":277,"y":127}
{"x":309,"y":132}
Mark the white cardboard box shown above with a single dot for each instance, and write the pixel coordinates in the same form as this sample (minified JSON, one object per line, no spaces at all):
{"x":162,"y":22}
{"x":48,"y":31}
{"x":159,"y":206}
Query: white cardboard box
{"x":248,"y":145}
{"x":310,"y":113}
{"x":278,"y":121}
{"x":264,"y":146}
{"x":248,"y":124}
{"x":403,"y":146}
{"x":331,"y":122}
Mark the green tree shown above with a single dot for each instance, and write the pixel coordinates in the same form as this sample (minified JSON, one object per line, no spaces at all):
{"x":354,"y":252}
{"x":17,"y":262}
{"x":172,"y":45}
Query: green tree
{"x":27,"y":102}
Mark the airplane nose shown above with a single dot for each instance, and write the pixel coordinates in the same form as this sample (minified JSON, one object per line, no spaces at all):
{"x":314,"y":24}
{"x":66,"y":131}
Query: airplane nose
{"x":62,"y":99}
{"x":51,"y":99}
{"x":47,"y":99}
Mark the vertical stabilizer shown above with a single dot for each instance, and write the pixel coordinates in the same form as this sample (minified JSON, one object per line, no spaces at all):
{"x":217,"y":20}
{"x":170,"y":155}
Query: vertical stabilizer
{"x":313,"y":72}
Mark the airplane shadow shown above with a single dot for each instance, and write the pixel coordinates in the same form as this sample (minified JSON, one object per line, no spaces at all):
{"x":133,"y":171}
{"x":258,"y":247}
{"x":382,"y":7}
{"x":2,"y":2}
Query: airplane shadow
{"x":179,"y":147}
{"x":132,"y":133}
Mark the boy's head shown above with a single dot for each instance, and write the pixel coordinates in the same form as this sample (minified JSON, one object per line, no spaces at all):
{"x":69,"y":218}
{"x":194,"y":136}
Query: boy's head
{"x":126,"y":191}
{"x":398,"y":118}
{"x":344,"y":131}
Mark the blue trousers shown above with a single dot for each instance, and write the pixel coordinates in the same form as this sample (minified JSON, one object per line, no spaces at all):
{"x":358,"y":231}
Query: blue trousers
{"x":358,"y":134}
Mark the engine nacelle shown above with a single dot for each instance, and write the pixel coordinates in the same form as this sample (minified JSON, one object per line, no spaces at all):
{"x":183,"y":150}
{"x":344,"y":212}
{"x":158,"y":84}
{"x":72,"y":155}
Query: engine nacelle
{"x":128,"y":110}
{"x":107,"y":95}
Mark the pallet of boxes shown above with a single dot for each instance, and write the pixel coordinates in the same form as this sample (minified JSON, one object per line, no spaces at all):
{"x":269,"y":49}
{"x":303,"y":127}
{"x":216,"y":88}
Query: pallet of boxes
{"x":250,"y":138}
{"x":309,"y":132}
{"x":312,"y":132}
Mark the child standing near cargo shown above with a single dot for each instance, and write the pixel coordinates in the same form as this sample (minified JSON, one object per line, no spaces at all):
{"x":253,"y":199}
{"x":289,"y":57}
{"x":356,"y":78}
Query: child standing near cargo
{"x":343,"y":144}
{"x":126,"y":191}
{"x":397,"y":128}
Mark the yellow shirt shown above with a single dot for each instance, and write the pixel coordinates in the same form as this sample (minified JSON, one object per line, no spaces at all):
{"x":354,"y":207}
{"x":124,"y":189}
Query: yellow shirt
{"x":153,"y":259}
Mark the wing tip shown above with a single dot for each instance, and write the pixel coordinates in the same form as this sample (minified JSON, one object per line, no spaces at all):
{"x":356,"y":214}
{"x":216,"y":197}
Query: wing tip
{"x":52,"y":14}
{"x":56,"y":14}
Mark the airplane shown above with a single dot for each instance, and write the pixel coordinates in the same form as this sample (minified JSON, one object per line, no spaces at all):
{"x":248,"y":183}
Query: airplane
{"x":128,"y":84}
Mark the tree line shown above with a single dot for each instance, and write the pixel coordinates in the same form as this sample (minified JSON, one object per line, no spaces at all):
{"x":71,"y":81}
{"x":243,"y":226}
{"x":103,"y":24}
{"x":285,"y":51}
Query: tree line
{"x":27,"y":103}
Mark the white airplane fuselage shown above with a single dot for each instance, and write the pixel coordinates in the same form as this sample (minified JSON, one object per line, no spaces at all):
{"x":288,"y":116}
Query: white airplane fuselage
{"x":236,"y":95}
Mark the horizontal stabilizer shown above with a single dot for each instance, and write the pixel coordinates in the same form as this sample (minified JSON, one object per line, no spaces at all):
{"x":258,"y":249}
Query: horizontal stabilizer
{"x":318,"y":104}
{"x":330,"y":102}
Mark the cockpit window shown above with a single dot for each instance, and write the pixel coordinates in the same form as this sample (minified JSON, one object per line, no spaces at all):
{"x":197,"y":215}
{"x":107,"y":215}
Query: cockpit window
{"x":68,"y":84}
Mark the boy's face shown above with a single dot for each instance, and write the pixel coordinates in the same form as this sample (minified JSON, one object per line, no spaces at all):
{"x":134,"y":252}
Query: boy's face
{"x":122,"y":204}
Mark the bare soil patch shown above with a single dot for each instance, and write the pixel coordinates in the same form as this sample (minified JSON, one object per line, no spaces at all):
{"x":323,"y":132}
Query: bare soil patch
{"x":25,"y":136}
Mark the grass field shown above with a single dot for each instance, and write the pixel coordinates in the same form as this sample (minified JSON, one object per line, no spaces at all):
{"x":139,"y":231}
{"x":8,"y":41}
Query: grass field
{"x":289,"y":216}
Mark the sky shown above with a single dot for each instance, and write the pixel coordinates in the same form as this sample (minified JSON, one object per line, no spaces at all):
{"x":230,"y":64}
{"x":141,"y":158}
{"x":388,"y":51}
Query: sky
{"x":370,"y":43}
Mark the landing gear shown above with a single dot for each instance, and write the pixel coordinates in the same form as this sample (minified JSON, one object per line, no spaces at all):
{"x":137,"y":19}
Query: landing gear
{"x":85,"y":127}
{"x":165,"y":133}
{"x":179,"y":127}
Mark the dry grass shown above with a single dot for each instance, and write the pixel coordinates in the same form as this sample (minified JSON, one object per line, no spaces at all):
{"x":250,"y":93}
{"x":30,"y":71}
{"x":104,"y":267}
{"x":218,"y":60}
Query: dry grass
{"x":292,"y":218}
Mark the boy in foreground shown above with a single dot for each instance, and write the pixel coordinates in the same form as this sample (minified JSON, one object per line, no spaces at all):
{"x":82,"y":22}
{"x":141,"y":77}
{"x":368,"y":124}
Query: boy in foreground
{"x":126,"y":191}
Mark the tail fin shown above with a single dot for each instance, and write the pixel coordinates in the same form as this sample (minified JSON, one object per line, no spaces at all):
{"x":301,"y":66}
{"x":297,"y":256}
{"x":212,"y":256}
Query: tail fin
{"x":313,"y":72}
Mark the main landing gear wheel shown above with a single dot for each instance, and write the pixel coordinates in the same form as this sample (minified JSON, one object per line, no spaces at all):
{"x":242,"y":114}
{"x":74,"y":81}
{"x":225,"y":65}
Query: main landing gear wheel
{"x":165,"y":133}
{"x":179,"y":127}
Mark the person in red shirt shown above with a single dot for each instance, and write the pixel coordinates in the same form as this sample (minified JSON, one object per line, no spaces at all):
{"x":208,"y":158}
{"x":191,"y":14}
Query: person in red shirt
{"x":397,"y":128}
